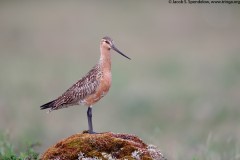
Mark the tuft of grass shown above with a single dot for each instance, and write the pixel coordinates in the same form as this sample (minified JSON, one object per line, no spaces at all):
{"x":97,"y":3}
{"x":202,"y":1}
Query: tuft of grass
{"x":8,"y":151}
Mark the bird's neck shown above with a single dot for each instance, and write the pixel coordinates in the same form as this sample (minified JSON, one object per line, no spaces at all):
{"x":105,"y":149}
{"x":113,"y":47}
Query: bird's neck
{"x":105,"y":59}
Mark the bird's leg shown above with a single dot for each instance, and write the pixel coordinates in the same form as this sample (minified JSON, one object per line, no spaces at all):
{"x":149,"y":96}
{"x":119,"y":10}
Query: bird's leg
{"x":89,"y":115}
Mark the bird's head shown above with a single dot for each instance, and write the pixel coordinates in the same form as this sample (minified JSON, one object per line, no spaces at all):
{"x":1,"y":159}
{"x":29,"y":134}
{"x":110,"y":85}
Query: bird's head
{"x":107,"y":42}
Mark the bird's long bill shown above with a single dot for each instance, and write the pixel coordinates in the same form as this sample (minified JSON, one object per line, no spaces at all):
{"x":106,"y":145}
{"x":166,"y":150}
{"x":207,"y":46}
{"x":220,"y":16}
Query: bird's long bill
{"x":115,"y":49}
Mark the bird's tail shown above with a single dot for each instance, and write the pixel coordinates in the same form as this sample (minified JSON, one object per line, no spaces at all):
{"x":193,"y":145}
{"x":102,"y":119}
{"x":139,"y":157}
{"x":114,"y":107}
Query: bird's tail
{"x":48,"y":105}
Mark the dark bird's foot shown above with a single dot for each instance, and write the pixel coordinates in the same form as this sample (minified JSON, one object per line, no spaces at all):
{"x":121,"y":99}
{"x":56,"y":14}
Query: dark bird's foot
{"x":92,"y":132}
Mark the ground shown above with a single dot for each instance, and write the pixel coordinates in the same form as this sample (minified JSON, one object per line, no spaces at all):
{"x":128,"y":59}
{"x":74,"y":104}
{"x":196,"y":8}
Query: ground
{"x":105,"y":146}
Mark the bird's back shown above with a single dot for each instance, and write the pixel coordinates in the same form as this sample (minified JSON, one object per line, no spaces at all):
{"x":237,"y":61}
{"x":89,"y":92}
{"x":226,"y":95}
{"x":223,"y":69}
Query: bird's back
{"x":79,"y":91}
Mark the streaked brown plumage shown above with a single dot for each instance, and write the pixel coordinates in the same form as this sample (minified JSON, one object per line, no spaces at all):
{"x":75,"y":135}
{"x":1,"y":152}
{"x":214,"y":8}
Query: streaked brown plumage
{"x":92,"y":87}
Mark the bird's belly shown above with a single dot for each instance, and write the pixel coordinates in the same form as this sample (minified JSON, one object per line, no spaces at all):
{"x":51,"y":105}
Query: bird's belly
{"x":100,"y":92}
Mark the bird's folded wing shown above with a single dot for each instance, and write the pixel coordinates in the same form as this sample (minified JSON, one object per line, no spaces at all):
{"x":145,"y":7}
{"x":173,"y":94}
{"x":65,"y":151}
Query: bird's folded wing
{"x":79,"y":91}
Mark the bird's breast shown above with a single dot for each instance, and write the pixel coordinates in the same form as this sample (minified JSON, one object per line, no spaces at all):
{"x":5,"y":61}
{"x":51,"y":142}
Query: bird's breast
{"x":101,"y":91}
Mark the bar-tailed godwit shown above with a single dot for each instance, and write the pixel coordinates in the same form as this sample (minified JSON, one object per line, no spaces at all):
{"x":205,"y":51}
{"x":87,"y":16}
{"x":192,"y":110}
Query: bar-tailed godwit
{"x":92,"y":87}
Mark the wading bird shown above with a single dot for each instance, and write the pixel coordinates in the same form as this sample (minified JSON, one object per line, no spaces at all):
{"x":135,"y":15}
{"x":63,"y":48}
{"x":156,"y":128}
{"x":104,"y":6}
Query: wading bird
{"x":92,"y":87}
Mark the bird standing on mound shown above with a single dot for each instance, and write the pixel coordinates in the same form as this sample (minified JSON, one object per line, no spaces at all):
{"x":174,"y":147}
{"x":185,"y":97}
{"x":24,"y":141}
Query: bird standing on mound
{"x":92,"y":87}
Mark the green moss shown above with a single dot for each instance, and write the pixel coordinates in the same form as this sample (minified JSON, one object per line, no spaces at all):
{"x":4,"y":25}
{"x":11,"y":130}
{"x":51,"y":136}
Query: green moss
{"x":120,"y":146}
{"x":128,"y":158}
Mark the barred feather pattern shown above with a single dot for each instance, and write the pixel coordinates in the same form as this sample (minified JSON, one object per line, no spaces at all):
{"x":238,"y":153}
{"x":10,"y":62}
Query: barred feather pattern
{"x":79,"y":91}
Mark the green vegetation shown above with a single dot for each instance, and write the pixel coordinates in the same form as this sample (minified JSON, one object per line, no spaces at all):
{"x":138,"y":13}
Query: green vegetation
{"x":103,"y":146}
{"x":8,"y":151}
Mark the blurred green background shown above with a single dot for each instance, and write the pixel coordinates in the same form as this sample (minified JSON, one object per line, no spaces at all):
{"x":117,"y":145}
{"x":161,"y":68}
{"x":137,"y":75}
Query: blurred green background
{"x":180,"y":91}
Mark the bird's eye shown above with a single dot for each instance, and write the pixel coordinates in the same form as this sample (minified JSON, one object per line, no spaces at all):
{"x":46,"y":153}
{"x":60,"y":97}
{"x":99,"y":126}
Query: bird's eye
{"x":107,"y":42}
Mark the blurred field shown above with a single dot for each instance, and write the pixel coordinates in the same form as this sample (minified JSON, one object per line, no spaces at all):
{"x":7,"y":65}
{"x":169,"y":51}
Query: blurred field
{"x":180,"y":91}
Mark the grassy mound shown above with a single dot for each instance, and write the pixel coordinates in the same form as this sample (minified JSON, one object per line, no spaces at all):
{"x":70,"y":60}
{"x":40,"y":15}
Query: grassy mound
{"x":102,"y":146}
